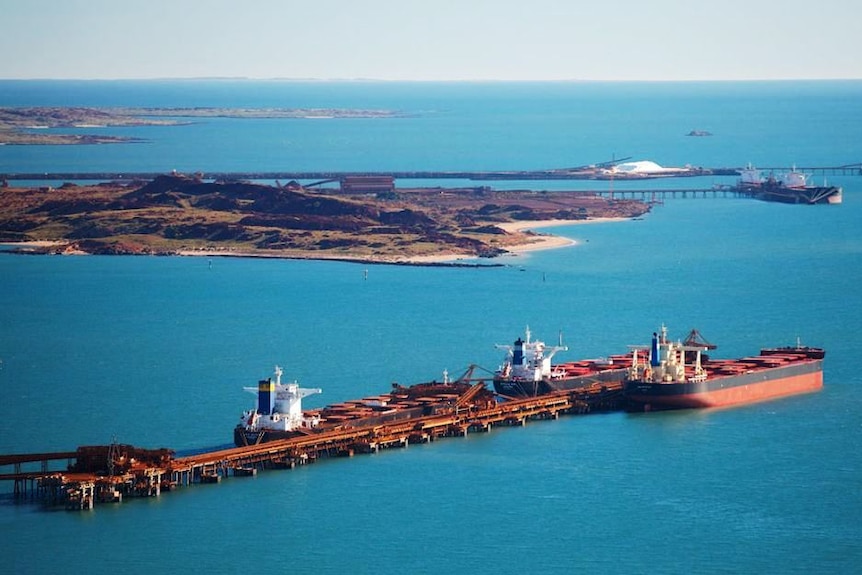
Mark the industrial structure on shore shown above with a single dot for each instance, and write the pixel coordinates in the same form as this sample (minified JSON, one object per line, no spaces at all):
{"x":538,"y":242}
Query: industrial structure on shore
{"x":362,"y":182}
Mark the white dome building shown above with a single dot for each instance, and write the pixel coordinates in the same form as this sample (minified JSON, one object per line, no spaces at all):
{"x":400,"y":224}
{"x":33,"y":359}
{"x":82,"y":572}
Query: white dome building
{"x":644,"y":168}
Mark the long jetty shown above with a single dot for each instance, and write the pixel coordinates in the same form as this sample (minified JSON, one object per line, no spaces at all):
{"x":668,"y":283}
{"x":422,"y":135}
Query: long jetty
{"x":577,"y":173}
{"x":327,"y":177}
{"x":102,"y":474}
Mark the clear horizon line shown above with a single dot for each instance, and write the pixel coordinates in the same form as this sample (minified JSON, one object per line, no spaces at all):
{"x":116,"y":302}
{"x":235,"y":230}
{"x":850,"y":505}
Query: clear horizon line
{"x":418,"y":81}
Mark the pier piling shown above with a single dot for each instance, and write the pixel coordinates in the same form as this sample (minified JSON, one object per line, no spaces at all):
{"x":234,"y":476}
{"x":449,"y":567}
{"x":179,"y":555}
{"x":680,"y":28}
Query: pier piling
{"x":160,"y":471}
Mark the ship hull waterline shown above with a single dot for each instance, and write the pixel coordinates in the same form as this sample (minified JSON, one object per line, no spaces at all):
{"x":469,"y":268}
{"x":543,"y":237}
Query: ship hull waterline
{"x":727,"y":391}
{"x":243,"y":437}
{"x":525,"y":388}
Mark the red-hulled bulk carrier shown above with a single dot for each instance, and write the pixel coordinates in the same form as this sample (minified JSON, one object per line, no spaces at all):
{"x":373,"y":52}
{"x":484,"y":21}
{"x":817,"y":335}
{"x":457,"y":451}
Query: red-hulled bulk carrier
{"x":679,"y":376}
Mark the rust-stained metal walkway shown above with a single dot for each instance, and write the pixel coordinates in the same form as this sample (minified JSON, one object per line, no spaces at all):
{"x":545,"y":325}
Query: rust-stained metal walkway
{"x":150,"y":472}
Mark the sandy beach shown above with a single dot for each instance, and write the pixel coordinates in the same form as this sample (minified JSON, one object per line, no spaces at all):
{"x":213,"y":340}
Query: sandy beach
{"x":522,"y":225}
{"x":534,"y":243}
{"x":545,"y":241}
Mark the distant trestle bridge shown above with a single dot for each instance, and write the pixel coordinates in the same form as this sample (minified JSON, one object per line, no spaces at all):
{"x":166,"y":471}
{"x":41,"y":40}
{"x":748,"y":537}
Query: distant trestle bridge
{"x":327,"y":177}
{"x":612,"y":186}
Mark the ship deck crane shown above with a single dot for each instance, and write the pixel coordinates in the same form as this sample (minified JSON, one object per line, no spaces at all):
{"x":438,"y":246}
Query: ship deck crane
{"x":695,"y":339}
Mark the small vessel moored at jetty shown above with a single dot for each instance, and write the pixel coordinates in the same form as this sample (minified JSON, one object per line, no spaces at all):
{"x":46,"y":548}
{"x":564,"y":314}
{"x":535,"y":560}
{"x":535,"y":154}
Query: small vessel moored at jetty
{"x":789,"y":188}
{"x":679,"y":376}
{"x":527,"y":370}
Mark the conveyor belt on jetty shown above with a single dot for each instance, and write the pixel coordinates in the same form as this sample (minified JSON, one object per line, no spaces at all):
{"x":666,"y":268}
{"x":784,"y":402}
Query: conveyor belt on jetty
{"x":575,"y":173}
{"x":135,"y":472}
{"x":333,"y":176}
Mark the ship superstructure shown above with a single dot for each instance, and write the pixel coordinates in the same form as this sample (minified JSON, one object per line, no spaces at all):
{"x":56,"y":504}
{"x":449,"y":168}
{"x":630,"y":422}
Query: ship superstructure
{"x":278,"y":413}
{"x":530,"y":359}
{"x":527,"y":370}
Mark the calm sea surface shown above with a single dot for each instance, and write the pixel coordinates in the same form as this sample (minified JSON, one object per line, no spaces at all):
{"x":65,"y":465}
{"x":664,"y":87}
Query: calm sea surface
{"x":155,"y":351}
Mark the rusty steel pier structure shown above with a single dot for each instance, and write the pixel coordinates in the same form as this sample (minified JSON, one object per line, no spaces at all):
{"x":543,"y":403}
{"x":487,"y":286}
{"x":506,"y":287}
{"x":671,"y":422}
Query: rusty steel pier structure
{"x":108,"y":474}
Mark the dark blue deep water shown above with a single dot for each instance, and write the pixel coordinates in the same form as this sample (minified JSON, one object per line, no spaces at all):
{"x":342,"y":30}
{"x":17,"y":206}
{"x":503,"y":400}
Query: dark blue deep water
{"x":155,"y":351}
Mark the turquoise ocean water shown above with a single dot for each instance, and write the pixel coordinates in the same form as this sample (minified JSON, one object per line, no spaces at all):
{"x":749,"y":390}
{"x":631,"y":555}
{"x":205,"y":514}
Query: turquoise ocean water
{"x":155,"y":351}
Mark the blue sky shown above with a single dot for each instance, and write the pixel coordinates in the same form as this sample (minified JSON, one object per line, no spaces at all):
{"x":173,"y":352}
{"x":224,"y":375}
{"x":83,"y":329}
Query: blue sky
{"x":433,"y":39}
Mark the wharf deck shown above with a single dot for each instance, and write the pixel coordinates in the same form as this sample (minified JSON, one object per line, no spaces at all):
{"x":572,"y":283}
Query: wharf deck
{"x":81,"y":490}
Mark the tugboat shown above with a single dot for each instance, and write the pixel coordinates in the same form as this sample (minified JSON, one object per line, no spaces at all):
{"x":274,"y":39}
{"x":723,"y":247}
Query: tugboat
{"x":527,"y":371}
{"x":278,"y":414}
{"x":679,"y":376}
{"x":789,"y":188}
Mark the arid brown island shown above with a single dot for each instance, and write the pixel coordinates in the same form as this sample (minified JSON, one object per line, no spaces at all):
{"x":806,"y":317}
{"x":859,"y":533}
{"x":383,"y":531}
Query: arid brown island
{"x":33,"y":125}
{"x":176,"y":214}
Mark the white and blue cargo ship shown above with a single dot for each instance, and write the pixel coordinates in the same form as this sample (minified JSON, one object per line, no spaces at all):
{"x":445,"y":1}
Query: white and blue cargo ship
{"x":527,"y":370}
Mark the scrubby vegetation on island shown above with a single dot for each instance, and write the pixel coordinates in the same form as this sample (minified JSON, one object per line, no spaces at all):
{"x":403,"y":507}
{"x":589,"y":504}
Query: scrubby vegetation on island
{"x":176,"y":214}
